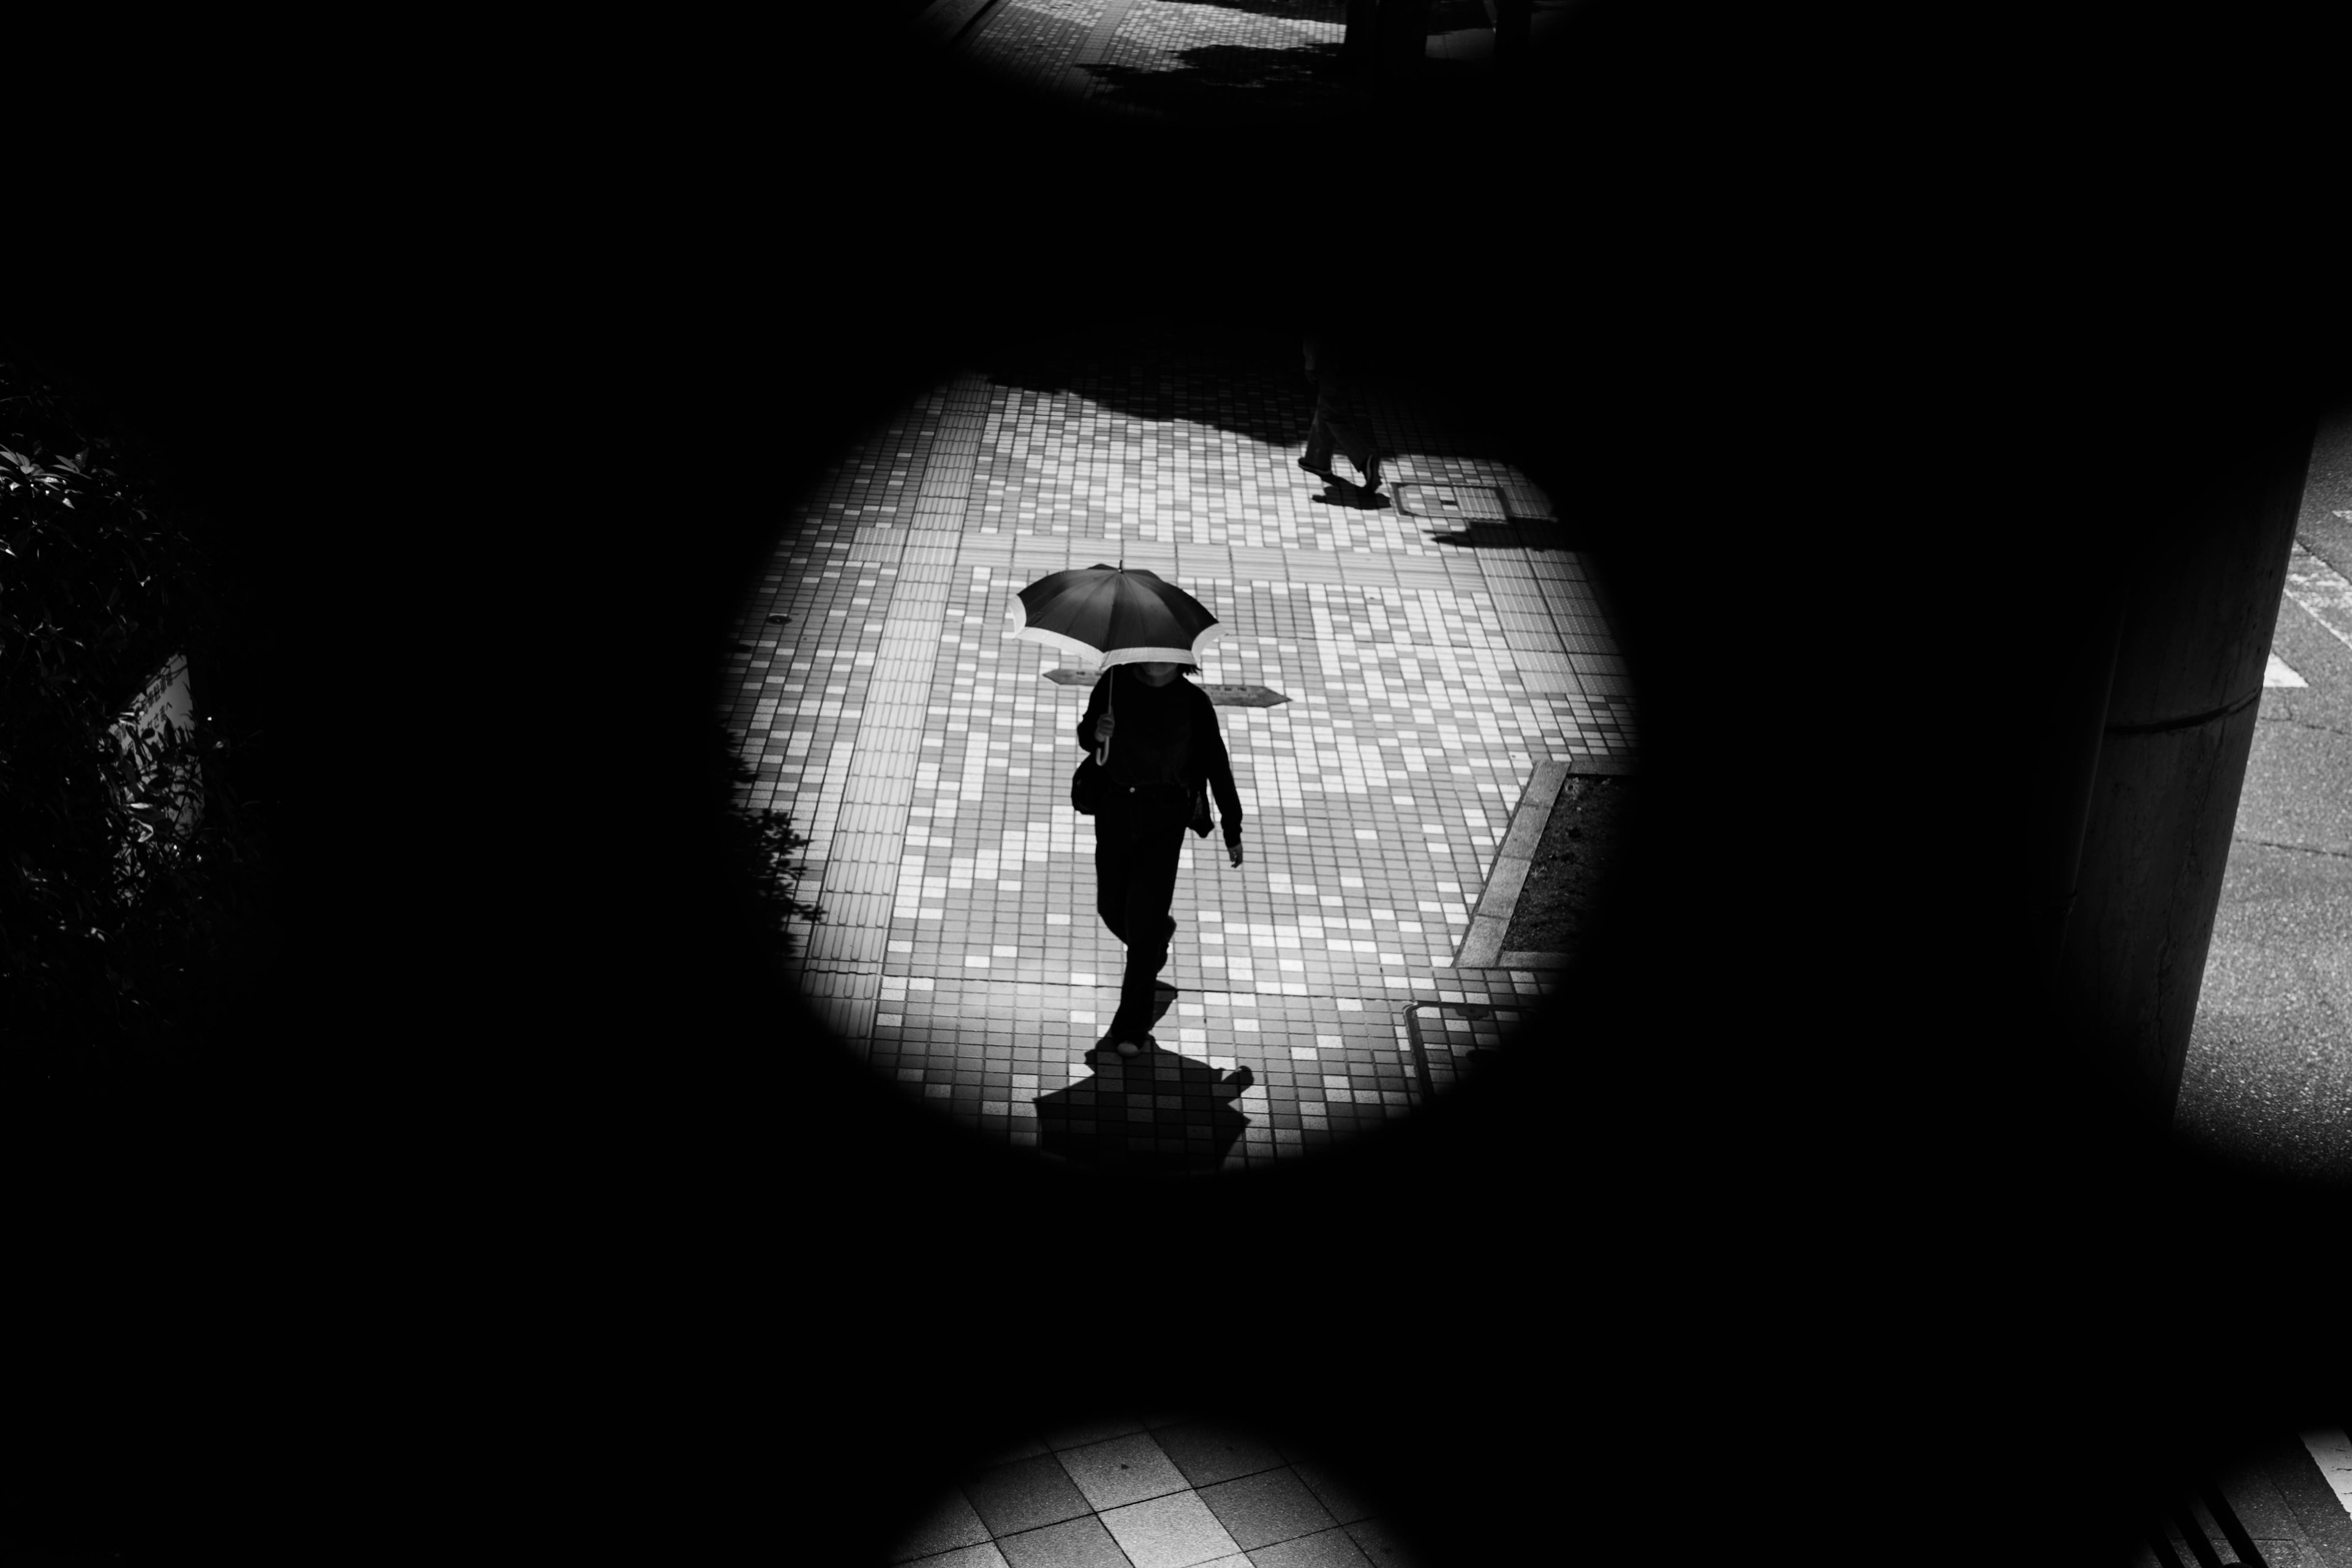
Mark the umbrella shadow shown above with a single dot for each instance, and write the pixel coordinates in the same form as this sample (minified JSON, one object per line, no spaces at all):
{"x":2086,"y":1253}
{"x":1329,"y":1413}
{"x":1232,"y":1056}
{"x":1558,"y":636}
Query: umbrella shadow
{"x":1160,"y":1113}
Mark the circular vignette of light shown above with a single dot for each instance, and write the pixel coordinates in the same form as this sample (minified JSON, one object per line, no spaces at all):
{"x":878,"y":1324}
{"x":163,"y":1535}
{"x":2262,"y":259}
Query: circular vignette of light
{"x":1417,"y":685}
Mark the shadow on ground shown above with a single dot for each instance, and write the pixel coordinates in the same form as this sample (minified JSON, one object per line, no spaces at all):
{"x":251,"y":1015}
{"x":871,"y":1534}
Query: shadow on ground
{"x":1156,"y":1114}
{"x":1251,"y":383}
{"x":1515,"y":534}
{"x":1232,"y":84}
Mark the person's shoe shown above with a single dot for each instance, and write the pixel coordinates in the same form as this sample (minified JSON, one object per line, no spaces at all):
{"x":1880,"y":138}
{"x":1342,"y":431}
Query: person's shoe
{"x":1371,"y":476}
{"x":1311,"y":469}
{"x":1130,"y":1047}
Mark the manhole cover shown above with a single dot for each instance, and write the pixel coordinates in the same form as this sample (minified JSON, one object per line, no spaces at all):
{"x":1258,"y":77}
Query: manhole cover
{"x":1220,"y":696}
{"x":1458,"y":503}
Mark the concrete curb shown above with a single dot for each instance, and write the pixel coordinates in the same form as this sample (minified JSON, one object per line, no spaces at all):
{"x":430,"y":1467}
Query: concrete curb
{"x":1483,"y":947}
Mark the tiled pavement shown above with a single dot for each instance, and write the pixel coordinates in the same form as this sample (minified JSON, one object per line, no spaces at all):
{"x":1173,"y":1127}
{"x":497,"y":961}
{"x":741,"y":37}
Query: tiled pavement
{"x":1152,"y":1494}
{"x":927,"y":759}
{"x":1209,"y":60}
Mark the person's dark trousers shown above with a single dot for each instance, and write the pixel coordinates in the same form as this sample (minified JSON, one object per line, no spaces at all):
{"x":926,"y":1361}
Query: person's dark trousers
{"x":1339,"y":419}
{"x":1139,"y":839}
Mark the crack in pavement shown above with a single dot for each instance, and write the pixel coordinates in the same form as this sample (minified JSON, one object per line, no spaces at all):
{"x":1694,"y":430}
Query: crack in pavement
{"x":2303,"y":724}
{"x":2300,"y":848}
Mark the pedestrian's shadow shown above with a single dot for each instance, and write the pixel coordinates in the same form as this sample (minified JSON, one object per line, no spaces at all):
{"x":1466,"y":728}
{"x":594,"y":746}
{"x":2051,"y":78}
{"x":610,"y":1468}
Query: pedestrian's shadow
{"x":1340,"y":493}
{"x":1159,"y":1113}
{"x":1517,"y":533}
{"x":1233,"y":84}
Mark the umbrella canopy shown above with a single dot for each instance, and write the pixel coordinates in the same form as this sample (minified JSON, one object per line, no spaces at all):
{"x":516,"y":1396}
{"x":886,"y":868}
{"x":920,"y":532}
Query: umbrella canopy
{"x":1116,"y":615}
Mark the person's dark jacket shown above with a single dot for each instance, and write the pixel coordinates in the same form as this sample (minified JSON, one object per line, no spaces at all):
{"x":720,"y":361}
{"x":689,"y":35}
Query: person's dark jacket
{"x":1165,"y":734}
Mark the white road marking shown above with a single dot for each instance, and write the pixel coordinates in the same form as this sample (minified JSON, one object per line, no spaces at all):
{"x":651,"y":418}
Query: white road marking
{"x":2322,"y":590}
{"x":2278,"y":672}
{"x":2332,"y":1451}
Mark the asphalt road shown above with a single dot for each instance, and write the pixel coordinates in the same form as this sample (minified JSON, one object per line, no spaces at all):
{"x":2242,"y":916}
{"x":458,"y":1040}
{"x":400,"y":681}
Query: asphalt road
{"x":2269,"y":1074}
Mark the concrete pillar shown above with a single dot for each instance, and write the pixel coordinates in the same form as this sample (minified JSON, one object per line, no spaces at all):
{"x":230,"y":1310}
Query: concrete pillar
{"x":2201,"y":561}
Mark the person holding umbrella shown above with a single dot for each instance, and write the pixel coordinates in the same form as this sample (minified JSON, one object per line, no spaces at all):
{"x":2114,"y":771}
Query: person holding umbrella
{"x":1155,"y":742}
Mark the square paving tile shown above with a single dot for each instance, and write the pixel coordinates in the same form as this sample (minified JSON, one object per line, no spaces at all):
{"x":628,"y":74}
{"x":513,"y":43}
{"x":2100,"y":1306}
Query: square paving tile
{"x":1262,"y":1508}
{"x":1382,"y":1544}
{"x":952,"y":1524}
{"x":1075,"y":1543}
{"x":1346,"y":1505}
{"x":1176,"y":1532}
{"x":1078,"y":1434}
{"x":1024,"y":1494}
{"x":1325,"y":1549}
{"x":1122,"y":1470}
{"x":984,"y":1556}
{"x":1208,"y":1455}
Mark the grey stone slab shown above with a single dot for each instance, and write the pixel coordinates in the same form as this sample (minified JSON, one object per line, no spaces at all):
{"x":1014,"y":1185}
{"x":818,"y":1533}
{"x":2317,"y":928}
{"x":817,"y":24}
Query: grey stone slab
{"x":1020,"y":1448}
{"x":1333,"y":1548}
{"x":1484,"y":945}
{"x":984,"y":1556}
{"x":1268,"y":1506}
{"x":1024,"y":1495}
{"x":1332,"y":1491}
{"x":1382,"y":1545}
{"x":1176,"y":1532}
{"x":2305,"y":1490}
{"x":952,"y":1524}
{"x":1077,"y":1544}
{"x":1121,"y":1470}
{"x":1209,"y":1454}
{"x":1079,"y":1434}
{"x":1503,"y":885}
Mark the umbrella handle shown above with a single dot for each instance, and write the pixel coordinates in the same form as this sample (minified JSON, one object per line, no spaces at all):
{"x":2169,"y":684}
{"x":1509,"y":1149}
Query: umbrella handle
{"x":1110,"y":704}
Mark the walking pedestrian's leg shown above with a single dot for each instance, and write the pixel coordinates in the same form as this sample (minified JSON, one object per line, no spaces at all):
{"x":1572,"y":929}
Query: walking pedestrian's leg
{"x":1354,"y":434}
{"x":1151,"y":890}
{"x":1317,"y":459}
{"x":1111,"y":869}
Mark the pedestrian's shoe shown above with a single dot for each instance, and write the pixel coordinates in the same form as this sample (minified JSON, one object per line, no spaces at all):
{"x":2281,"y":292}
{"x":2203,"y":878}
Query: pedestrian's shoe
{"x":1311,"y":469}
{"x":1371,"y":473}
{"x":1166,"y":952}
{"x":1130,"y":1047}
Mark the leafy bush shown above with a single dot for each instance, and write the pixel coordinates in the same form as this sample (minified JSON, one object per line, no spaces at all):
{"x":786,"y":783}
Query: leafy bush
{"x":132,"y":878}
{"x":761,"y":844}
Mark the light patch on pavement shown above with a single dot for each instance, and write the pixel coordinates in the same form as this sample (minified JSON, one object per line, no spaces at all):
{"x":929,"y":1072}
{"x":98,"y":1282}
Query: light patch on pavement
{"x":2332,"y":1452}
{"x":2323,"y":591}
{"x":2277,"y":672}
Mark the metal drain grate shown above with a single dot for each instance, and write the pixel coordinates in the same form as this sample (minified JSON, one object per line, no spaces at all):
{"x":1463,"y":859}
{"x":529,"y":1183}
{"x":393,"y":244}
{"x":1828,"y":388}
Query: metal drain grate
{"x":1452,"y":503}
{"x":1450,"y":1040}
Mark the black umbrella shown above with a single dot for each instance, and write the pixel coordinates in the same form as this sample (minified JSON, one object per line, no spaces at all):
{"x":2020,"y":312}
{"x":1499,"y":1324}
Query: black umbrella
{"x":1116,"y":615}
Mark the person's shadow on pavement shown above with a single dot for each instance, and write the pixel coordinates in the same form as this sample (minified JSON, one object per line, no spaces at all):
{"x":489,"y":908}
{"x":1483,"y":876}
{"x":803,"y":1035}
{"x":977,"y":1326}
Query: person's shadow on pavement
{"x":1156,"y":1113}
{"x":1340,"y":492}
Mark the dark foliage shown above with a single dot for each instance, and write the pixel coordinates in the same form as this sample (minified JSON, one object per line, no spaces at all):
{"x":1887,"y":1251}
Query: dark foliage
{"x":761,"y":842}
{"x":135,"y":907}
